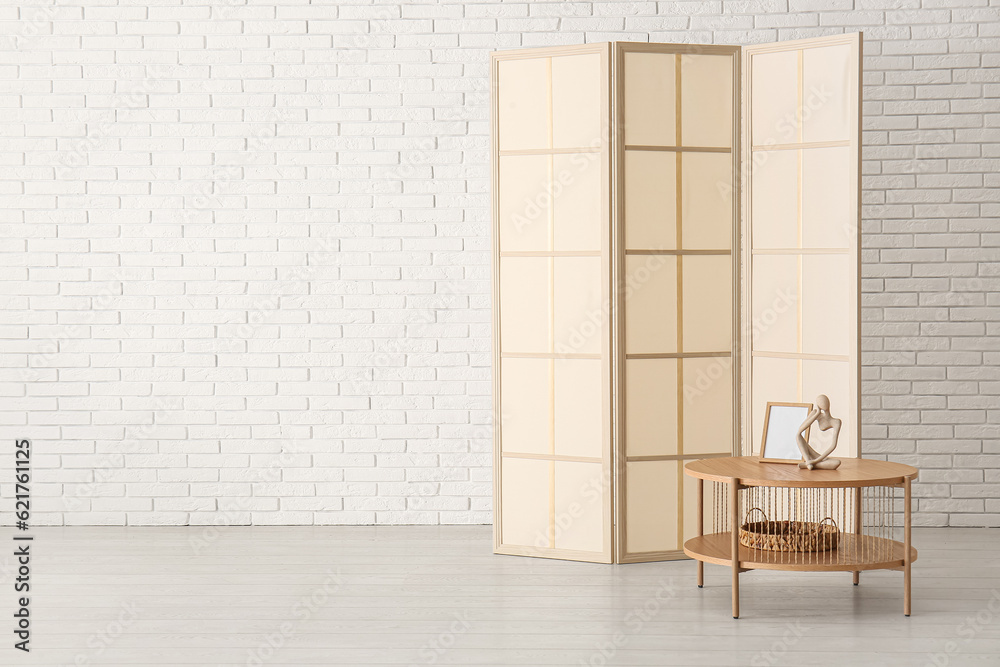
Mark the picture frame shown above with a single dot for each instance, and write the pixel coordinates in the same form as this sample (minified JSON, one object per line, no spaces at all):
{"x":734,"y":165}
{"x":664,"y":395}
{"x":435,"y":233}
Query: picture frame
{"x":781,"y":423}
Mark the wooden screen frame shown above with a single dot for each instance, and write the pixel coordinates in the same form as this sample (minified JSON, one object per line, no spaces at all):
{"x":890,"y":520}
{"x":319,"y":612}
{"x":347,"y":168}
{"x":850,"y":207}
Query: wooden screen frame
{"x":855,"y":41}
{"x":619,"y":253}
{"x":608,"y":553}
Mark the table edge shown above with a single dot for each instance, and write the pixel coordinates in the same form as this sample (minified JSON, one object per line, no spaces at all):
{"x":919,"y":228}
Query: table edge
{"x":889,"y":480}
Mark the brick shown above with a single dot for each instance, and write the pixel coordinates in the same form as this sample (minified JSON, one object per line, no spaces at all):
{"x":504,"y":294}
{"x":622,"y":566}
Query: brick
{"x":991,"y":520}
{"x":959,"y":505}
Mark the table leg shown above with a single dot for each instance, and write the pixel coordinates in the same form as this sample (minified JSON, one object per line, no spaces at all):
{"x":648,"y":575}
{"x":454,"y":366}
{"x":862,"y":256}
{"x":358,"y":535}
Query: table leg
{"x":857,"y":526}
{"x":906,"y":546}
{"x":701,"y":528}
{"x":734,"y":525}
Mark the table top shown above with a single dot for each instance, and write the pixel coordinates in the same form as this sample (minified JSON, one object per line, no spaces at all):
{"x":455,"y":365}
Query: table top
{"x":749,"y":471}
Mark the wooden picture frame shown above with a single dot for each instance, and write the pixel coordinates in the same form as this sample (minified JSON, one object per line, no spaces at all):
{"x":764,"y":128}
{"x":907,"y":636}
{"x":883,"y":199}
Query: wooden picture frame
{"x":764,"y":458}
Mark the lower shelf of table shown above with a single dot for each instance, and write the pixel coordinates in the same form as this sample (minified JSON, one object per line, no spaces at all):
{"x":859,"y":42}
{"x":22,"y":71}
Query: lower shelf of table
{"x":854,"y":552}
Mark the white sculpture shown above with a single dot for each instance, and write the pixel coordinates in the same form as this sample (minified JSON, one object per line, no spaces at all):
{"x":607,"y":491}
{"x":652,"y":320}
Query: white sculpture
{"x":820,"y":415}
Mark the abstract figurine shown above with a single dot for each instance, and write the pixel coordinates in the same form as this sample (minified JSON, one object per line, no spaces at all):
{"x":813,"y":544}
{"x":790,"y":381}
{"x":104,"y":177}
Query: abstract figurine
{"x":820,"y":415}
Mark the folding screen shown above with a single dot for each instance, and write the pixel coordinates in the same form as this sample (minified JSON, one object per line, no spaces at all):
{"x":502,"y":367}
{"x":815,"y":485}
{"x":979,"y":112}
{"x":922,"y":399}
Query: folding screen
{"x":801,"y":242}
{"x":552,"y":336}
{"x":677,"y":164}
{"x":626,"y":283}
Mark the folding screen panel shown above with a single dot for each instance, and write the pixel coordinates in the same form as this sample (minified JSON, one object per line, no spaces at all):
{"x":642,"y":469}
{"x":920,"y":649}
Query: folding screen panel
{"x":677,"y":164}
{"x":801,"y":231}
{"x":552,"y":336}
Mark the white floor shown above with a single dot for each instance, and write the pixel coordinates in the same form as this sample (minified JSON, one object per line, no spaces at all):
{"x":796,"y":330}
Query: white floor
{"x":437,"y":595}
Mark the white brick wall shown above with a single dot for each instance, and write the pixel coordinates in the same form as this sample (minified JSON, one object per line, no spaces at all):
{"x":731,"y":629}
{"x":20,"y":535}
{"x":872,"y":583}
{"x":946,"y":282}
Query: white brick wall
{"x":245,"y":247}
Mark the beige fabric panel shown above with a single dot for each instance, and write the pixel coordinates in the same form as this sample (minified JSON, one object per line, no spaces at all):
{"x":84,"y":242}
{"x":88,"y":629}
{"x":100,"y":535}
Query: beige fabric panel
{"x":524,"y":496}
{"x":525,"y":309}
{"x":522,"y":105}
{"x":707,"y":201}
{"x":578,"y":414}
{"x":829,"y":218}
{"x":650,"y":200}
{"x":818,"y":180}
{"x":576,"y":101}
{"x":826,"y":72}
{"x":708,"y":303}
{"x":774,"y":301}
{"x":578,"y":301}
{"x":775,"y":97}
{"x":580,"y":496}
{"x":651,"y":409}
{"x":706,"y":100}
{"x":776,"y":199}
{"x":650,"y":99}
{"x":651,"y":304}
{"x":525,"y":395}
{"x":524,"y":202}
{"x":825,"y":327}
{"x":651,"y":514}
{"x":708,"y":405}
{"x":577,"y":191}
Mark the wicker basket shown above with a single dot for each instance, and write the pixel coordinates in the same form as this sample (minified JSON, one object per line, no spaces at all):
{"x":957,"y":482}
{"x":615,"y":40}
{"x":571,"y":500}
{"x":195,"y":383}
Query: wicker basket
{"x":789,"y":535}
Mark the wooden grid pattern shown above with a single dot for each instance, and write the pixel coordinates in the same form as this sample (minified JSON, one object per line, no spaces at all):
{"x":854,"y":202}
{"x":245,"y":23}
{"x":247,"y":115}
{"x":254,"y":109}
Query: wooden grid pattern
{"x":752,"y":151}
{"x":679,"y":252}
{"x":551,"y":355}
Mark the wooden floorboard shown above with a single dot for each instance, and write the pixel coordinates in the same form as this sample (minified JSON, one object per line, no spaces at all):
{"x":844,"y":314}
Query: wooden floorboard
{"x":418,"y":595}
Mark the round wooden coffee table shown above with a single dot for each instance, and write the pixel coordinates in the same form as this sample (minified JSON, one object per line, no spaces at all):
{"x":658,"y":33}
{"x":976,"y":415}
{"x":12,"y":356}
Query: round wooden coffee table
{"x":859,"y":497}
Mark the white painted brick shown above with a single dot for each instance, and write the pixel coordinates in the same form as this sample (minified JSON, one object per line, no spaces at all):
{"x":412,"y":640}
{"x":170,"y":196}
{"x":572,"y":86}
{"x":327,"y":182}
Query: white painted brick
{"x":367,"y":134}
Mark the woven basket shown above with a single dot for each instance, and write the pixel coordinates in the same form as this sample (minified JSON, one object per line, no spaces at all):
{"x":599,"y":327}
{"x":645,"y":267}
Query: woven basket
{"x":789,"y":535}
